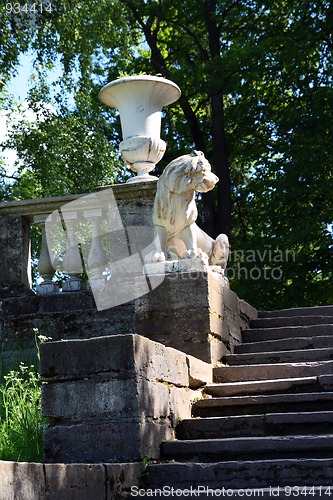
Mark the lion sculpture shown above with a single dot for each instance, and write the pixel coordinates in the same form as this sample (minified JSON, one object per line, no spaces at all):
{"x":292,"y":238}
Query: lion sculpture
{"x":175,"y":213}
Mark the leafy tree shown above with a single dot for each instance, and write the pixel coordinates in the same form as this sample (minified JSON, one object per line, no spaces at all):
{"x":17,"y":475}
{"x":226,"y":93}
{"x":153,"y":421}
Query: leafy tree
{"x":62,"y":153}
{"x":256,"y":99}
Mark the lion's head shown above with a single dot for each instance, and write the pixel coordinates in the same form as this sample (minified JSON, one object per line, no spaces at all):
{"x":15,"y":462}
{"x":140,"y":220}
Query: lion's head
{"x":189,"y":172}
{"x":174,"y":206}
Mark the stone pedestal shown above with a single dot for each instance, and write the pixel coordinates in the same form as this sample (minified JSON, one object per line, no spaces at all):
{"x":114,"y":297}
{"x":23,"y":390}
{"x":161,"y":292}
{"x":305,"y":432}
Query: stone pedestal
{"x":115,"y":398}
{"x":15,"y":275}
{"x":134,"y":202}
{"x":195,"y":313}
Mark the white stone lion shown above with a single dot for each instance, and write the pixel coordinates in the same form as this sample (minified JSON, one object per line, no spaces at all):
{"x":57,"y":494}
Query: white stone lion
{"x":175,"y":213}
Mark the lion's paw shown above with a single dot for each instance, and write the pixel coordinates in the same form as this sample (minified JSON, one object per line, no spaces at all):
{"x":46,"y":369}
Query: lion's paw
{"x":217,"y":269}
{"x":155,"y":257}
{"x":196,"y":253}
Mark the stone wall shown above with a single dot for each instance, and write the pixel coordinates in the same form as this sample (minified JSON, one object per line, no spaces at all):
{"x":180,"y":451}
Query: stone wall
{"x":117,"y":381}
{"x":192,"y":313}
{"x":31,"y":481}
{"x":23,"y":314}
{"x":115,"y":398}
{"x":59,"y":316}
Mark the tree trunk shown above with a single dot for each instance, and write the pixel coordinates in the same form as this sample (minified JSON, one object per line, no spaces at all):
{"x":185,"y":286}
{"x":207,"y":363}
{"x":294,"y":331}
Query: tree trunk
{"x":219,"y":143}
{"x":216,"y":217}
{"x":224,"y":201}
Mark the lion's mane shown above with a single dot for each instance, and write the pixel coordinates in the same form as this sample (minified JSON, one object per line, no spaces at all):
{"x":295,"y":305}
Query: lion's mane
{"x":174,"y":206}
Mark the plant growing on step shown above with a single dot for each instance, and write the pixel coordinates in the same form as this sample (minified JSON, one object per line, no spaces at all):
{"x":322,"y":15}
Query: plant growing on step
{"x":21,"y":421}
{"x":144,"y":467}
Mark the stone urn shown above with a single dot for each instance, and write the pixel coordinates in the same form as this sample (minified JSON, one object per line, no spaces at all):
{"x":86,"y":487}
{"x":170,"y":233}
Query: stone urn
{"x":140,"y":100}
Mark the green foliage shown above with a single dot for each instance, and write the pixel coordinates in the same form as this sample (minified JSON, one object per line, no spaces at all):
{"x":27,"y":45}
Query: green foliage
{"x":256,"y":98}
{"x":62,"y":152}
{"x":21,"y":421}
{"x":144,"y":467}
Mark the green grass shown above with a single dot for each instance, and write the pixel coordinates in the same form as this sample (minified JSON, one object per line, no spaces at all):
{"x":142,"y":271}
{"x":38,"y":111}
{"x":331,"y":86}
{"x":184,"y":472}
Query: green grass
{"x":21,"y":421}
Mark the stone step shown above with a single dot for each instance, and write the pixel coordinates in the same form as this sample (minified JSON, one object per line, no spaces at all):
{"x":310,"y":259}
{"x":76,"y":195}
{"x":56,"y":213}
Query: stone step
{"x":263,"y":403}
{"x":245,"y":474}
{"x":292,"y":344}
{"x":270,"y":424}
{"x":291,"y":321}
{"x":298,"y":311}
{"x":270,"y":371}
{"x":271,"y":447}
{"x":264,"y":386}
{"x":301,"y":355}
{"x":286,"y":332}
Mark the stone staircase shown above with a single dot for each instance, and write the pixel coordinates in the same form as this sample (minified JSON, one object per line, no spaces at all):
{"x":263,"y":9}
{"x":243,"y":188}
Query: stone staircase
{"x":267,"y":420}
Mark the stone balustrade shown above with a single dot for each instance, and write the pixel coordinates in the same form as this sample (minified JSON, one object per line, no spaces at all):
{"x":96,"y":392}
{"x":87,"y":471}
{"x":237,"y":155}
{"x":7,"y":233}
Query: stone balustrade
{"x":79,"y":233}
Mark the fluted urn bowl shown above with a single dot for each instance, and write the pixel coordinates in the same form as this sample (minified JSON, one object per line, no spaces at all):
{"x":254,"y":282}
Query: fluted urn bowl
{"x":140,"y":100}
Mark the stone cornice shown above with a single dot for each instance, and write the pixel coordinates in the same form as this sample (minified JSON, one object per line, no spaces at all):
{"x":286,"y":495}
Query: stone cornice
{"x":40,"y":206}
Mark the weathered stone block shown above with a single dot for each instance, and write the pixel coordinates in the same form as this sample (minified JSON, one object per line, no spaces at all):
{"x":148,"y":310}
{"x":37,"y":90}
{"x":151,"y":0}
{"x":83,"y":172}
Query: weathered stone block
{"x":46,"y":288}
{"x":15,"y":277}
{"x":135,"y":202}
{"x":31,"y":481}
{"x":82,"y":400}
{"x":73,"y":359}
{"x":247,"y":314}
{"x":17,"y":306}
{"x":156,"y":362}
{"x":194,"y":313}
{"x":120,"y":356}
{"x":184,"y":311}
{"x":20,"y":480}
{"x":153,"y":399}
{"x":112,"y":398}
{"x":112,"y":440}
{"x":152,"y":434}
{"x":231,"y":302}
{"x":24,"y":318}
{"x":181,"y":400}
{"x":73,"y":285}
{"x":120,"y":478}
{"x":200,"y":373}
{"x":75,"y":481}
{"x":68,"y":302}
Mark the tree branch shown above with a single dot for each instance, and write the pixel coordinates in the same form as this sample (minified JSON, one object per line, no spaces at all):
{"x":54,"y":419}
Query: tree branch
{"x":14,"y":177}
{"x":135,"y":12}
{"x":203,"y":52}
{"x":160,"y":66}
{"x":201,"y":103}
{"x":226,"y":12}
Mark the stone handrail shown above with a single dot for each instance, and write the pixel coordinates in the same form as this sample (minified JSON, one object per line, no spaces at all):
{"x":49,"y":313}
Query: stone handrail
{"x":40,"y":206}
{"x":67,"y":213}
{"x":37,"y":211}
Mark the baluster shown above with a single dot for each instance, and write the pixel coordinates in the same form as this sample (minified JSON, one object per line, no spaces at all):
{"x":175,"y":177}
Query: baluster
{"x":97,"y":258}
{"x":72,"y":263}
{"x":45,"y":267}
